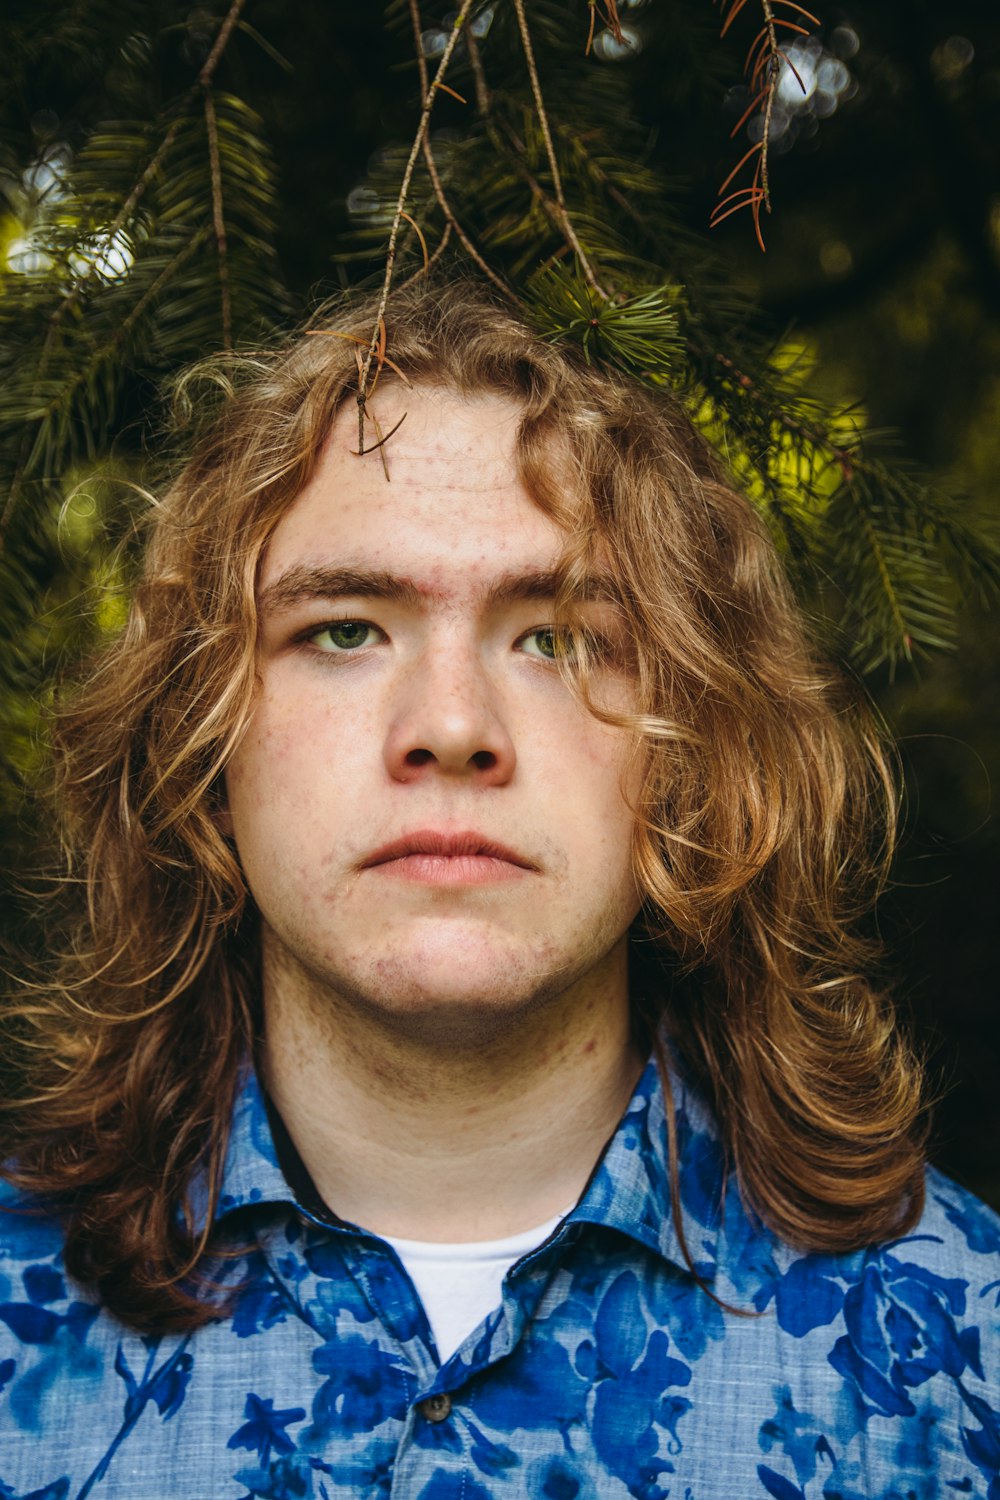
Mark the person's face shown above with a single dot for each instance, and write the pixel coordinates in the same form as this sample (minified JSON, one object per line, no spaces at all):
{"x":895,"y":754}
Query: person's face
{"x":426,"y":815}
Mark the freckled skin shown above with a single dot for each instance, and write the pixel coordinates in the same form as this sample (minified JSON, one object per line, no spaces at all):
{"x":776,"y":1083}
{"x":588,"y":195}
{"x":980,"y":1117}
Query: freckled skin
{"x":331,"y":768}
{"x":448,"y":717}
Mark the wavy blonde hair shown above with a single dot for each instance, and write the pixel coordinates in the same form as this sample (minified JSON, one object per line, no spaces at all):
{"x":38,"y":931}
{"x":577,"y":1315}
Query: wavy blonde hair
{"x":759,"y":834}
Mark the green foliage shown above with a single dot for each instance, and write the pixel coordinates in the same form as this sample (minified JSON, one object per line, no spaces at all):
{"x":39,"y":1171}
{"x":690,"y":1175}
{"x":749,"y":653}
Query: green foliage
{"x":146,"y":232}
{"x":640,"y":334}
{"x":879,"y":558}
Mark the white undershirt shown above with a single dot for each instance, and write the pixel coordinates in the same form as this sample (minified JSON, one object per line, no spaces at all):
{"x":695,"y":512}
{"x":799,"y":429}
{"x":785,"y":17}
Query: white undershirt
{"x":460,"y":1284}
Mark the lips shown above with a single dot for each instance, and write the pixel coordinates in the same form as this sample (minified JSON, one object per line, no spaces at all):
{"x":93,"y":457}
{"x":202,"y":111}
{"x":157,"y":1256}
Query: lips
{"x":430,"y":857}
{"x":446,"y":846}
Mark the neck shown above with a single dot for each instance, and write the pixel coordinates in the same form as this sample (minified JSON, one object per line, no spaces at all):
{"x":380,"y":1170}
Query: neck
{"x":450,"y":1132}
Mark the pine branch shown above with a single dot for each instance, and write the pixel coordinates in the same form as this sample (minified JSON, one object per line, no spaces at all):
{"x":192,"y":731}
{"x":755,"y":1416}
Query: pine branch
{"x":451,"y":222}
{"x":762,"y":69}
{"x":82,"y":283}
{"x":218,"y":218}
{"x":404,"y":188}
{"x":558,"y":210}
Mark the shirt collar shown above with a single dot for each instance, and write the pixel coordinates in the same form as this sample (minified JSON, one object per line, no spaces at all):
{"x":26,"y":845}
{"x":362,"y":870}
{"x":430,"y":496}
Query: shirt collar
{"x":629,"y":1189}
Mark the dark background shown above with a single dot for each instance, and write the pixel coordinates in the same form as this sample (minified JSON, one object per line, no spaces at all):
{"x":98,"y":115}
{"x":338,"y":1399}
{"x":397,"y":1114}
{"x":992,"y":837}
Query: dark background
{"x":882,"y":273}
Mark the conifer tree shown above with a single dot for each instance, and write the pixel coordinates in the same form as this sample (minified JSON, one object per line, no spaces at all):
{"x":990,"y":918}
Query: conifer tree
{"x":150,"y":239}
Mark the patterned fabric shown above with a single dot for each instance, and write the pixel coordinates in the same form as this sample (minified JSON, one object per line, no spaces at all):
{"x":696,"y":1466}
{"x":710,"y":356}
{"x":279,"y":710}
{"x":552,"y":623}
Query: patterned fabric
{"x":606,"y":1372}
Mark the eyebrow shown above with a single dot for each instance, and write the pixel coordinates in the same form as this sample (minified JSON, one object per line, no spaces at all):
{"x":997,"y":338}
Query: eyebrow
{"x":299,"y":585}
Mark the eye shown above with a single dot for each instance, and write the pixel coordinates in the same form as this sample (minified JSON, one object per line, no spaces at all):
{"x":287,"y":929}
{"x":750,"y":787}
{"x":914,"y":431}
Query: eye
{"x":342,"y":636}
{"x":548,"y":642}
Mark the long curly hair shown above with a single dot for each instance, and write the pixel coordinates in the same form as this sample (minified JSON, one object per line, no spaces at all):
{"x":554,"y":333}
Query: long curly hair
{"x":760,"y":834}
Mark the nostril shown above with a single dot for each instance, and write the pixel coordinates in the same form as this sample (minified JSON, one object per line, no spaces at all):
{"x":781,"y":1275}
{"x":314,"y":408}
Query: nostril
{"x":484,"y":760}
{"x":419,"y":757}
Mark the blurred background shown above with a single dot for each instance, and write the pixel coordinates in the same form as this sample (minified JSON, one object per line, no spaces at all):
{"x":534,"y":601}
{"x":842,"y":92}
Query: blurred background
{"x":169,"y":187}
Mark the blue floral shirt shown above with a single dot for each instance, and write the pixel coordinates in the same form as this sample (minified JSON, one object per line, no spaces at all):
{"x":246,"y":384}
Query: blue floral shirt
{"x":607,"y":1371}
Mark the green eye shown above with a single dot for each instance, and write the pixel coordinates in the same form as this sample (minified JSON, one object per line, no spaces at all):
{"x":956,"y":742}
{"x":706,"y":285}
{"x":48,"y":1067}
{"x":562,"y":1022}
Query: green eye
{"x":548,"y":642}
{"x":345,"y":635}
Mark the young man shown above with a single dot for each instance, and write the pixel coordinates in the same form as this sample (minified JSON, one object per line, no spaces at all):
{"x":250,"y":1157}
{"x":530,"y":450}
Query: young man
{"x":463,"y":1083}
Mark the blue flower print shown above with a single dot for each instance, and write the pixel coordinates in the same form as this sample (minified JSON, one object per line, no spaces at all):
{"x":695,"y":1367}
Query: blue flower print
{"x":982,"y":1444}
{"x":777,"y":1486}
{"x":163,"y":1384}
{"x":689,"y":1315}
{"x":795,"y":1433}
{"x":57,"y":1491}
{"x":900,"y":1321}
{"x":443,"y":1485}
{"x":260,"y":1303}
{"x":264,"y":1428}
{"x":560,"y":1478}
{"x":633,"y":1402}
{"x":810,"y":1294}
{"x":284,"y":1479}
{"x":43,"y":1284}
{"x":59,"y":1351}
{"x":607,"y":1372}
{"x":980,"y":1228}
{"x":363,"y":1389}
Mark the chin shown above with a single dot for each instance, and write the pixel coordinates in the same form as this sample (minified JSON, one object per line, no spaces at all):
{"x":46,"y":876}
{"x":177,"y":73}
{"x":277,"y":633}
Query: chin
{"x":410,"y":982}
{"x":458,"y":970}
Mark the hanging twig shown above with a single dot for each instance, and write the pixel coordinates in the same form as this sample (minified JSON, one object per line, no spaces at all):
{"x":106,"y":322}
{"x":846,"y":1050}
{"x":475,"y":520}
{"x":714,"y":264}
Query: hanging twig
{"x":397,"y":217}
{"x":219,"y":46}
{"x":476,"y":63}
{"x":565,"y":223}
{"x":762,"y":69}
{"x":451,"y":222}
{"x":611,"y":19}
{"x":420,"y":236}
{"x":441,"y":248}
{"x":352,"y":338}
{"x":383,"y":438}
{"x":218,"y":218}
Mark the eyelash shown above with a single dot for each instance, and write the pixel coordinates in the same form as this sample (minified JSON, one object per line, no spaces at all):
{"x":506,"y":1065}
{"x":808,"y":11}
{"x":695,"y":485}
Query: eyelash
{"x":309,"y":637}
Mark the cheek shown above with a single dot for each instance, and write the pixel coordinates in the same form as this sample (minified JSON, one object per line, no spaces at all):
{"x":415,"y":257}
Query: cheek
{"x":597,"y":783}
{"x":265,"y":783}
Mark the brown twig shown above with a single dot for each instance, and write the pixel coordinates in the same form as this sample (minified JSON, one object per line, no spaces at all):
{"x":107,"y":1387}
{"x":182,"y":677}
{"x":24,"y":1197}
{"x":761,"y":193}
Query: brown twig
{"x":397,"y":217}
{"x":336,"y":333}
{"x":420,"y":236}
{"x":773,"y":68}
{"x":762,"y":69}
{"x":218,"y":218}
{"x":476,"y":62}
{"x":441,"y":248}
{"x":611,"y":19}
{"x":221,"y":41}
{"x":451,"y":222}
{"x":425,"y":270}
{"x":565,"y":223}
{"x":383,"y":438}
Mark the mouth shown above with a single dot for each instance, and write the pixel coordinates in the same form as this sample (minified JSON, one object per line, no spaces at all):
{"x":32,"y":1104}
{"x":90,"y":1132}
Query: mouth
{"x":435,"y":858}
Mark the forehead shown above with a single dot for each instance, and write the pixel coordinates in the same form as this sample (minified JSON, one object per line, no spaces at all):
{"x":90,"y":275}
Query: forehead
{"x":453,"y":512}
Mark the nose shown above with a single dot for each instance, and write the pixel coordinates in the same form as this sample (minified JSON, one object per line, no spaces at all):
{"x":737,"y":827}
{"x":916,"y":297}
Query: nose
{"x":448,"y":718}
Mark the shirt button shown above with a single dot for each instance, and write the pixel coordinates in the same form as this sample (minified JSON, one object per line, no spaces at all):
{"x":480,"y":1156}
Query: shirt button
{"x":436,"y":1408}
